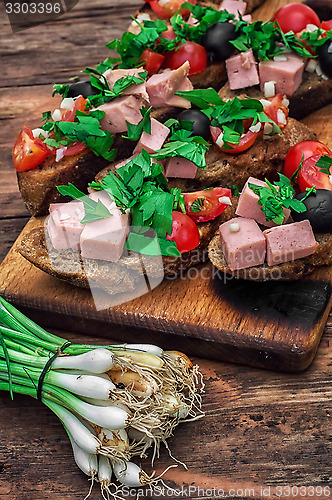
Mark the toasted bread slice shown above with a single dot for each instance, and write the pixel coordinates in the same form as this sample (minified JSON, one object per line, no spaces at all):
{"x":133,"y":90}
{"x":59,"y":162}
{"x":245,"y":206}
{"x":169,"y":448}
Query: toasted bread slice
{"x":38,"y":186}
{"x":314,"y":93}
{"x":122,"y":276}
{"x":264,"y":159}
{"x":287,"y":271}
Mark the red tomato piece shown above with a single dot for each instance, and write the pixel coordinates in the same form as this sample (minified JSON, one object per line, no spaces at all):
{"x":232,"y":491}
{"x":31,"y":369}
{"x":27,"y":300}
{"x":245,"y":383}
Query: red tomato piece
{"x":326,"y":25}
{"x":28,"y":151}
{"x":209,"y":203}
{"x":184,"y":232}
{"x":168,"y":10}
{"x":68,"y":115}
{"x":274,"y":107}
{"x":295,"y":17}
{"x":152,"y":61}
{"x":190,"y":51}
{"x":246,"y":141}
{"x":305,"y":149}
{"x":310,"y":175}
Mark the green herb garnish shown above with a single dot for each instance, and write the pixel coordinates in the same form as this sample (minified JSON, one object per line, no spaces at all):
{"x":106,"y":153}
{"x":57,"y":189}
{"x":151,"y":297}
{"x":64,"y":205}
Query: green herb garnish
{"x":86,"y":129}
{"x":324,"y":164}
{"x":94,"y":210}
{"x":197,"y":204}
{"x":142,"y":188}
{"x":183,"y":144}
{"x":273,"y":198}
{"x":61,"y":89}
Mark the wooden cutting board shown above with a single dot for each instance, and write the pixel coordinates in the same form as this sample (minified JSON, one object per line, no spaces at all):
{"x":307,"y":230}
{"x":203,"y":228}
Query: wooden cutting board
{"x":275,"y":325}
{"x":272,"y":325}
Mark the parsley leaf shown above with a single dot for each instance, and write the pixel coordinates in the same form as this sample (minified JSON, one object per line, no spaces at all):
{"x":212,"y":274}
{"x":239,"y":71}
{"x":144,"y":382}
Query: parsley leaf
{"x":184,"y":145}
{"x":134,"y":132}
{"x":275,"y":197}
{"x":202,"y":98}
{"x":197,"y":205}
{"x":61,"y":89}
{"x":324,"y":164}
{"x":94,"y":210}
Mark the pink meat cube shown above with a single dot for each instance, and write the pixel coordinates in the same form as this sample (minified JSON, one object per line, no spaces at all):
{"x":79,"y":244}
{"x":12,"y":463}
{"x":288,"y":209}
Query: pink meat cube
{"x":64,"y":225}
{"x":248,"y":204}
{"x":242,"y":70}
{"x":289,"y":242}
{"x":287,"y":74}
{"x":247,"y":18}
{"x":180,"y":167}
{"x":104,"y":239}
{"x":233,"y":7}
{"x":154,"y":141}
{"x":163,"y":86}
{"x":243,"y":243}
{"x":104,"y":197}
{"x":138,"y":90}
{"x":118,"y":111}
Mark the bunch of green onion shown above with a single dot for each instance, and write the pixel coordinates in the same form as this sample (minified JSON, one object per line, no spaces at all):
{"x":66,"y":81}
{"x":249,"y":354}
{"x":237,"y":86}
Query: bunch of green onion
{"x":115,"y":402}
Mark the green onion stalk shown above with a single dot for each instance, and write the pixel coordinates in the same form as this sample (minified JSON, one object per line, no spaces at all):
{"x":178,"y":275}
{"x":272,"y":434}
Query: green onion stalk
{"x":114,"y":401}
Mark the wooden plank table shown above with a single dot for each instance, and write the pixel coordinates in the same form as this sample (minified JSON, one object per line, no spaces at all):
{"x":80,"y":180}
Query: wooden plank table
{"x":263,"y":431}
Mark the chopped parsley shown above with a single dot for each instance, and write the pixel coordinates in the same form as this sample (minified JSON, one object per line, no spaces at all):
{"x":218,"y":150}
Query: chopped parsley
{"x":228,"y":115}
{"x":141,"y":187}
{"x":183,"y":144}
{"x":277,"y":196}
{"x":197,"y":204}
{"x":86,"y":129}
{"x":94,"y":210}
{"x":134,"y":132}
{"x":324,"y":164}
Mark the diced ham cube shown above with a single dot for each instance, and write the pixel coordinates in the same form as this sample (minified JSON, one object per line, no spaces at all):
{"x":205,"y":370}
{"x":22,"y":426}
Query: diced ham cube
{"x":118,"y":111}
{"x":104,"y":197}
{"x":139,"y":90}
{"x":64,"y":225}
{"x":163,"y":86}
{"x":234,"y":7}
{"x":245,"y":247}
{"x":248,"y":204}
{"x":124,"y":162}
{"x":180,"y":167}
{"x":247,"y":18}
{"x":242,"y":70}
{"x":287,"y":75}
{"x":104,"y":239}
{"x":289,"y":242}
{"x":154,"y":141}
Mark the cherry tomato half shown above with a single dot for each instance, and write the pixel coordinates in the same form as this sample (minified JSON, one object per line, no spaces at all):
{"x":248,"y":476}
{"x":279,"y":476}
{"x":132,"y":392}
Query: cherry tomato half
{"x":246,"y":141}
{"x":184,"y":232}
{"x":310,"y":175}
{"x":152,"y":61}
{"x":168,"y":10}
{"x":274,"y":107}
{"x":305,"y":149}
{"x":68,"y":115}
{"x":326,"y":25}
{"x":190,"y":51}
{"x":28,"y":151}
{"x":209,"y":203}
{"x":295,"y":17}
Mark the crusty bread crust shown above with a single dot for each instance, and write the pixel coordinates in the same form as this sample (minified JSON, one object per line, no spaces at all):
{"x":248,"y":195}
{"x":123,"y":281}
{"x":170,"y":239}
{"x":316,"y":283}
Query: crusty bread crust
{"x":287,"y":271}
{"x":264,"y":159}
{"x":314,"y":93}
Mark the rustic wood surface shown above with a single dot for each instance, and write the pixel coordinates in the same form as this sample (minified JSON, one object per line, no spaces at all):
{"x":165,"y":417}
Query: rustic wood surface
{"x":262,"y":430}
